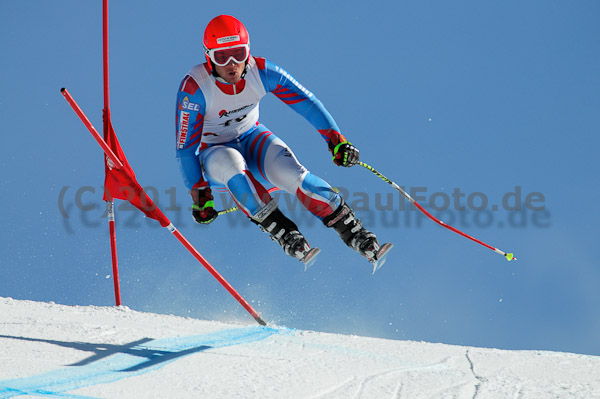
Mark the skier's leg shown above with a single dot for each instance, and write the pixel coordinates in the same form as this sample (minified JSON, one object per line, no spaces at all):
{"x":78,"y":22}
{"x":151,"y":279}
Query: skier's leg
{"x":283,"y":169}
{"x":226,"y":166}
{"x":352,"y":232}
{"x":279,"y":165}
{"x":281,"y":229}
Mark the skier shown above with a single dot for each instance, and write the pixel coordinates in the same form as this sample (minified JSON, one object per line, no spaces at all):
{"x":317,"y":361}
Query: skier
{"x":221,"y":143}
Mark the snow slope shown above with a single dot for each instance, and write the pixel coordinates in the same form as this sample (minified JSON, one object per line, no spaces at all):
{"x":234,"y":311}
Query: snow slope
{"x":55,"y":351}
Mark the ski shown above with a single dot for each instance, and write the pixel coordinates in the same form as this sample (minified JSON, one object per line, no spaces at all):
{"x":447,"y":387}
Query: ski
{"x":381,"y":256}
{"x":310,"y":258}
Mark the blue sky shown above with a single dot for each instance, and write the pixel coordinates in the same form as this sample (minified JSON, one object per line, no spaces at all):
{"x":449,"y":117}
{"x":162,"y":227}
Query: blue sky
{"x":457,"y":101}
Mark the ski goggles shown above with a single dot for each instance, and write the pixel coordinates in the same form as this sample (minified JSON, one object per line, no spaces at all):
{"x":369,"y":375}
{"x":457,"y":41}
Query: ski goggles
{"x":223,"y":56}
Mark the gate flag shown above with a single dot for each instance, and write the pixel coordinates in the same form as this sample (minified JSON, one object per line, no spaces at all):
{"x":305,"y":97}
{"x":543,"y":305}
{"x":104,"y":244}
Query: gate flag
{"x":122,"y":183}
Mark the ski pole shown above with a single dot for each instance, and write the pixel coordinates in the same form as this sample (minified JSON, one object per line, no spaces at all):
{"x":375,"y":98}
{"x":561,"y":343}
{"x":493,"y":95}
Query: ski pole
{"x":228,"y":210}
{"x":235,"y":208}
{"x":509,"y":256}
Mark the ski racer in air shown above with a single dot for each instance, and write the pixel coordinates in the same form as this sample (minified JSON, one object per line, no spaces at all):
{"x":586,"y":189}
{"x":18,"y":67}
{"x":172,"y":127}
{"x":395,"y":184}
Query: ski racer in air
{"x":221,"y":143}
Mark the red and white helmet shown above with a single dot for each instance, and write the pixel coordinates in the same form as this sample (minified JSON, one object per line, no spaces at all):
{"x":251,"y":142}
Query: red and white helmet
{"x":226,"y":39}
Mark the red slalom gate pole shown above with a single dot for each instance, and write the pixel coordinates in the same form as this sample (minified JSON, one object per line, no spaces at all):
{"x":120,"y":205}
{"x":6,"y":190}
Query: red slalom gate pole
{"x":118,"y":165}
{"x":109,"y":153}
{"x":110,"y":207}
{"x":216,"y":274}
{"x":107,"y":150}
{"x":110,"y":203}
{"x":105,"y":54}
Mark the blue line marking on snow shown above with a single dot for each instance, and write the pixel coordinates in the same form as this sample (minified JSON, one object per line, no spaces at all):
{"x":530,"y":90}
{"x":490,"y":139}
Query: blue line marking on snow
{"x":111,"y":363}
{"x":40,"y":392}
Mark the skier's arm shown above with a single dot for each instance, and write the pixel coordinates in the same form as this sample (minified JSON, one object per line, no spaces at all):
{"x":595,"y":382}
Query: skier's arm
{"x":189,"y":122}
{"x":283,"y":85}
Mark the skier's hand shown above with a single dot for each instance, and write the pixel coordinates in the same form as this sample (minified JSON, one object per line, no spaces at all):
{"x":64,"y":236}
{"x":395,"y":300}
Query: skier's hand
{"x":203,"y":209}
{"x":344,"y":153}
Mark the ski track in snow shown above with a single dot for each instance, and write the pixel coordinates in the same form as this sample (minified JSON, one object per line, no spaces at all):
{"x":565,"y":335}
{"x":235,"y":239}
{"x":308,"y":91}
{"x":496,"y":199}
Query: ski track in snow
{"x":479,"y":379}
{"x":55,"y":351}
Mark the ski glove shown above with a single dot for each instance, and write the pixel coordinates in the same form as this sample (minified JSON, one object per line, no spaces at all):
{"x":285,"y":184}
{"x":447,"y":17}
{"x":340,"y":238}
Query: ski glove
{"x":344,"y":153}
{"x":203,"y":209}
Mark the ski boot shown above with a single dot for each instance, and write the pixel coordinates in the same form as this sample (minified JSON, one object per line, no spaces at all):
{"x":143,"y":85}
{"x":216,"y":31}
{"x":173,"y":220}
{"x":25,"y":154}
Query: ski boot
{"x":281,"y":229}
{"x":354,"y":235}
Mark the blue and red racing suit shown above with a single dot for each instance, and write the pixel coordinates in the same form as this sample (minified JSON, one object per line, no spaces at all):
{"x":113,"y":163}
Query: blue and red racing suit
{"x":219,"y":139}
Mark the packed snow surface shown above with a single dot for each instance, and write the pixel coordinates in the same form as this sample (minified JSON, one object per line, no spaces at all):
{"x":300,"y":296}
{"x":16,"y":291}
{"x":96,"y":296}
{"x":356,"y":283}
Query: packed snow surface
{"x":56,"y":351}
